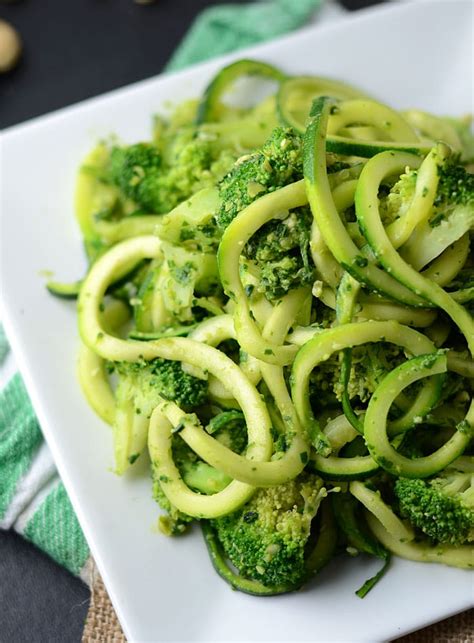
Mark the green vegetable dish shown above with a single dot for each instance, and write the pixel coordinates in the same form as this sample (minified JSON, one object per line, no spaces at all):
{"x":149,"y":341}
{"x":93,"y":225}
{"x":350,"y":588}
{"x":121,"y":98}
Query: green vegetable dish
{"x":279,"y":309}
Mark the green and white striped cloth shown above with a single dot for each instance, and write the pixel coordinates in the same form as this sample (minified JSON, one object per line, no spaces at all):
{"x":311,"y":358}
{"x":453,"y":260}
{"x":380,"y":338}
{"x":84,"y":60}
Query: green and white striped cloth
{"x":33,"y":500}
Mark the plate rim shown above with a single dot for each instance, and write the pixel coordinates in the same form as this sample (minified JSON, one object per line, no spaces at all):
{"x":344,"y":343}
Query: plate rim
{"x":22,"y":129}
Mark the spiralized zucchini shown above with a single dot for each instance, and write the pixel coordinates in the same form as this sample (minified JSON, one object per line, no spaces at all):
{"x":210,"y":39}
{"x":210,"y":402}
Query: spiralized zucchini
{"x":303,"y":311}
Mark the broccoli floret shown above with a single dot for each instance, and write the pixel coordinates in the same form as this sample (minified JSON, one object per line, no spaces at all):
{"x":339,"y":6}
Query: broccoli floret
{"x":159,"y":378}
{"x":455,"y":191}
{"x":136,"y":171}
{"x":281,"y":251}
{"x":141,"y":387}
{"x":276,"y":164}
{"x":369,"y":365}
{"x":442,"y":507}
{"x":158,"y":180}
{"x":455,"y":188}
{"x":282,"y":275}
{"x":453,"y":207}
{"x":266,"y":539}
{"x":396,"y":202}
{"x":194,"y":161}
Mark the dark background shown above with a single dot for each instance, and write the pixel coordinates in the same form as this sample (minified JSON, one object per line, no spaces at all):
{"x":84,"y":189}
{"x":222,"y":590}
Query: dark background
{"x":74,"y":49}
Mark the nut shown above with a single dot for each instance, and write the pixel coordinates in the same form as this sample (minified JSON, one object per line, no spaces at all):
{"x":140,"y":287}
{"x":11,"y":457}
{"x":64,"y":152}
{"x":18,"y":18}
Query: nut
{"x":10,"y":46}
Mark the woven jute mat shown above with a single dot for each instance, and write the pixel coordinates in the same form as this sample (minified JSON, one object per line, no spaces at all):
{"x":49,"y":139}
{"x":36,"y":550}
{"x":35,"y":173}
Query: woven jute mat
{"x":102,"y":625}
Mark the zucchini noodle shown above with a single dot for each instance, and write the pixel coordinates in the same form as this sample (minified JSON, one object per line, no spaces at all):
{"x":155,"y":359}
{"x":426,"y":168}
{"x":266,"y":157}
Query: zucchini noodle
{"x":436,"y":129}
{"x":182,"y":497}
{"x":425,"y":192}
{"x":214,"y":331}
{"x":92,"y":371}
{"x":279,"y":308}
{"x":366,"y":208}
{"x":389,"y":124}
{"x":293,"y":460}
{"x":324,"y":344}
{"x":375,"y":431}
{"x":453,"y":556}
{"x":235,"y":237}
{"x":374,"y":503}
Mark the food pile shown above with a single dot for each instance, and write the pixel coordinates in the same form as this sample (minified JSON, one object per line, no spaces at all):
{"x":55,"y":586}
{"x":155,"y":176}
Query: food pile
{"x":279,"y":308}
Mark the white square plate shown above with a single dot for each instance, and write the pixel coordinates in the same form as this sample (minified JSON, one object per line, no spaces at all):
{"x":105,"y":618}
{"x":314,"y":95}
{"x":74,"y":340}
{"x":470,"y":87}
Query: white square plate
{"x":410,"y":54}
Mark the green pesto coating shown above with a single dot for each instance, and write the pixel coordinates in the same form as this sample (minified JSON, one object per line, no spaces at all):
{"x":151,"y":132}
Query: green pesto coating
{"x":174,"y":522}
{"x":281,"y":251}
{"x":456,"y":185}
{"x":396,"y":201}
{"x":370,"y":363}
{"x":455,"y":189}
{"x":442,"y":508}
{"x":266,"y":539}
{"x":161,"y":378}
{"x":276,"y":164}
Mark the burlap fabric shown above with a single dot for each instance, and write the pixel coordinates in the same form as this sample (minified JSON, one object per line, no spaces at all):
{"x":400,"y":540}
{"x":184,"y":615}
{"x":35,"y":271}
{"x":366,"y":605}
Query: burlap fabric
{"x":102,"y":625}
